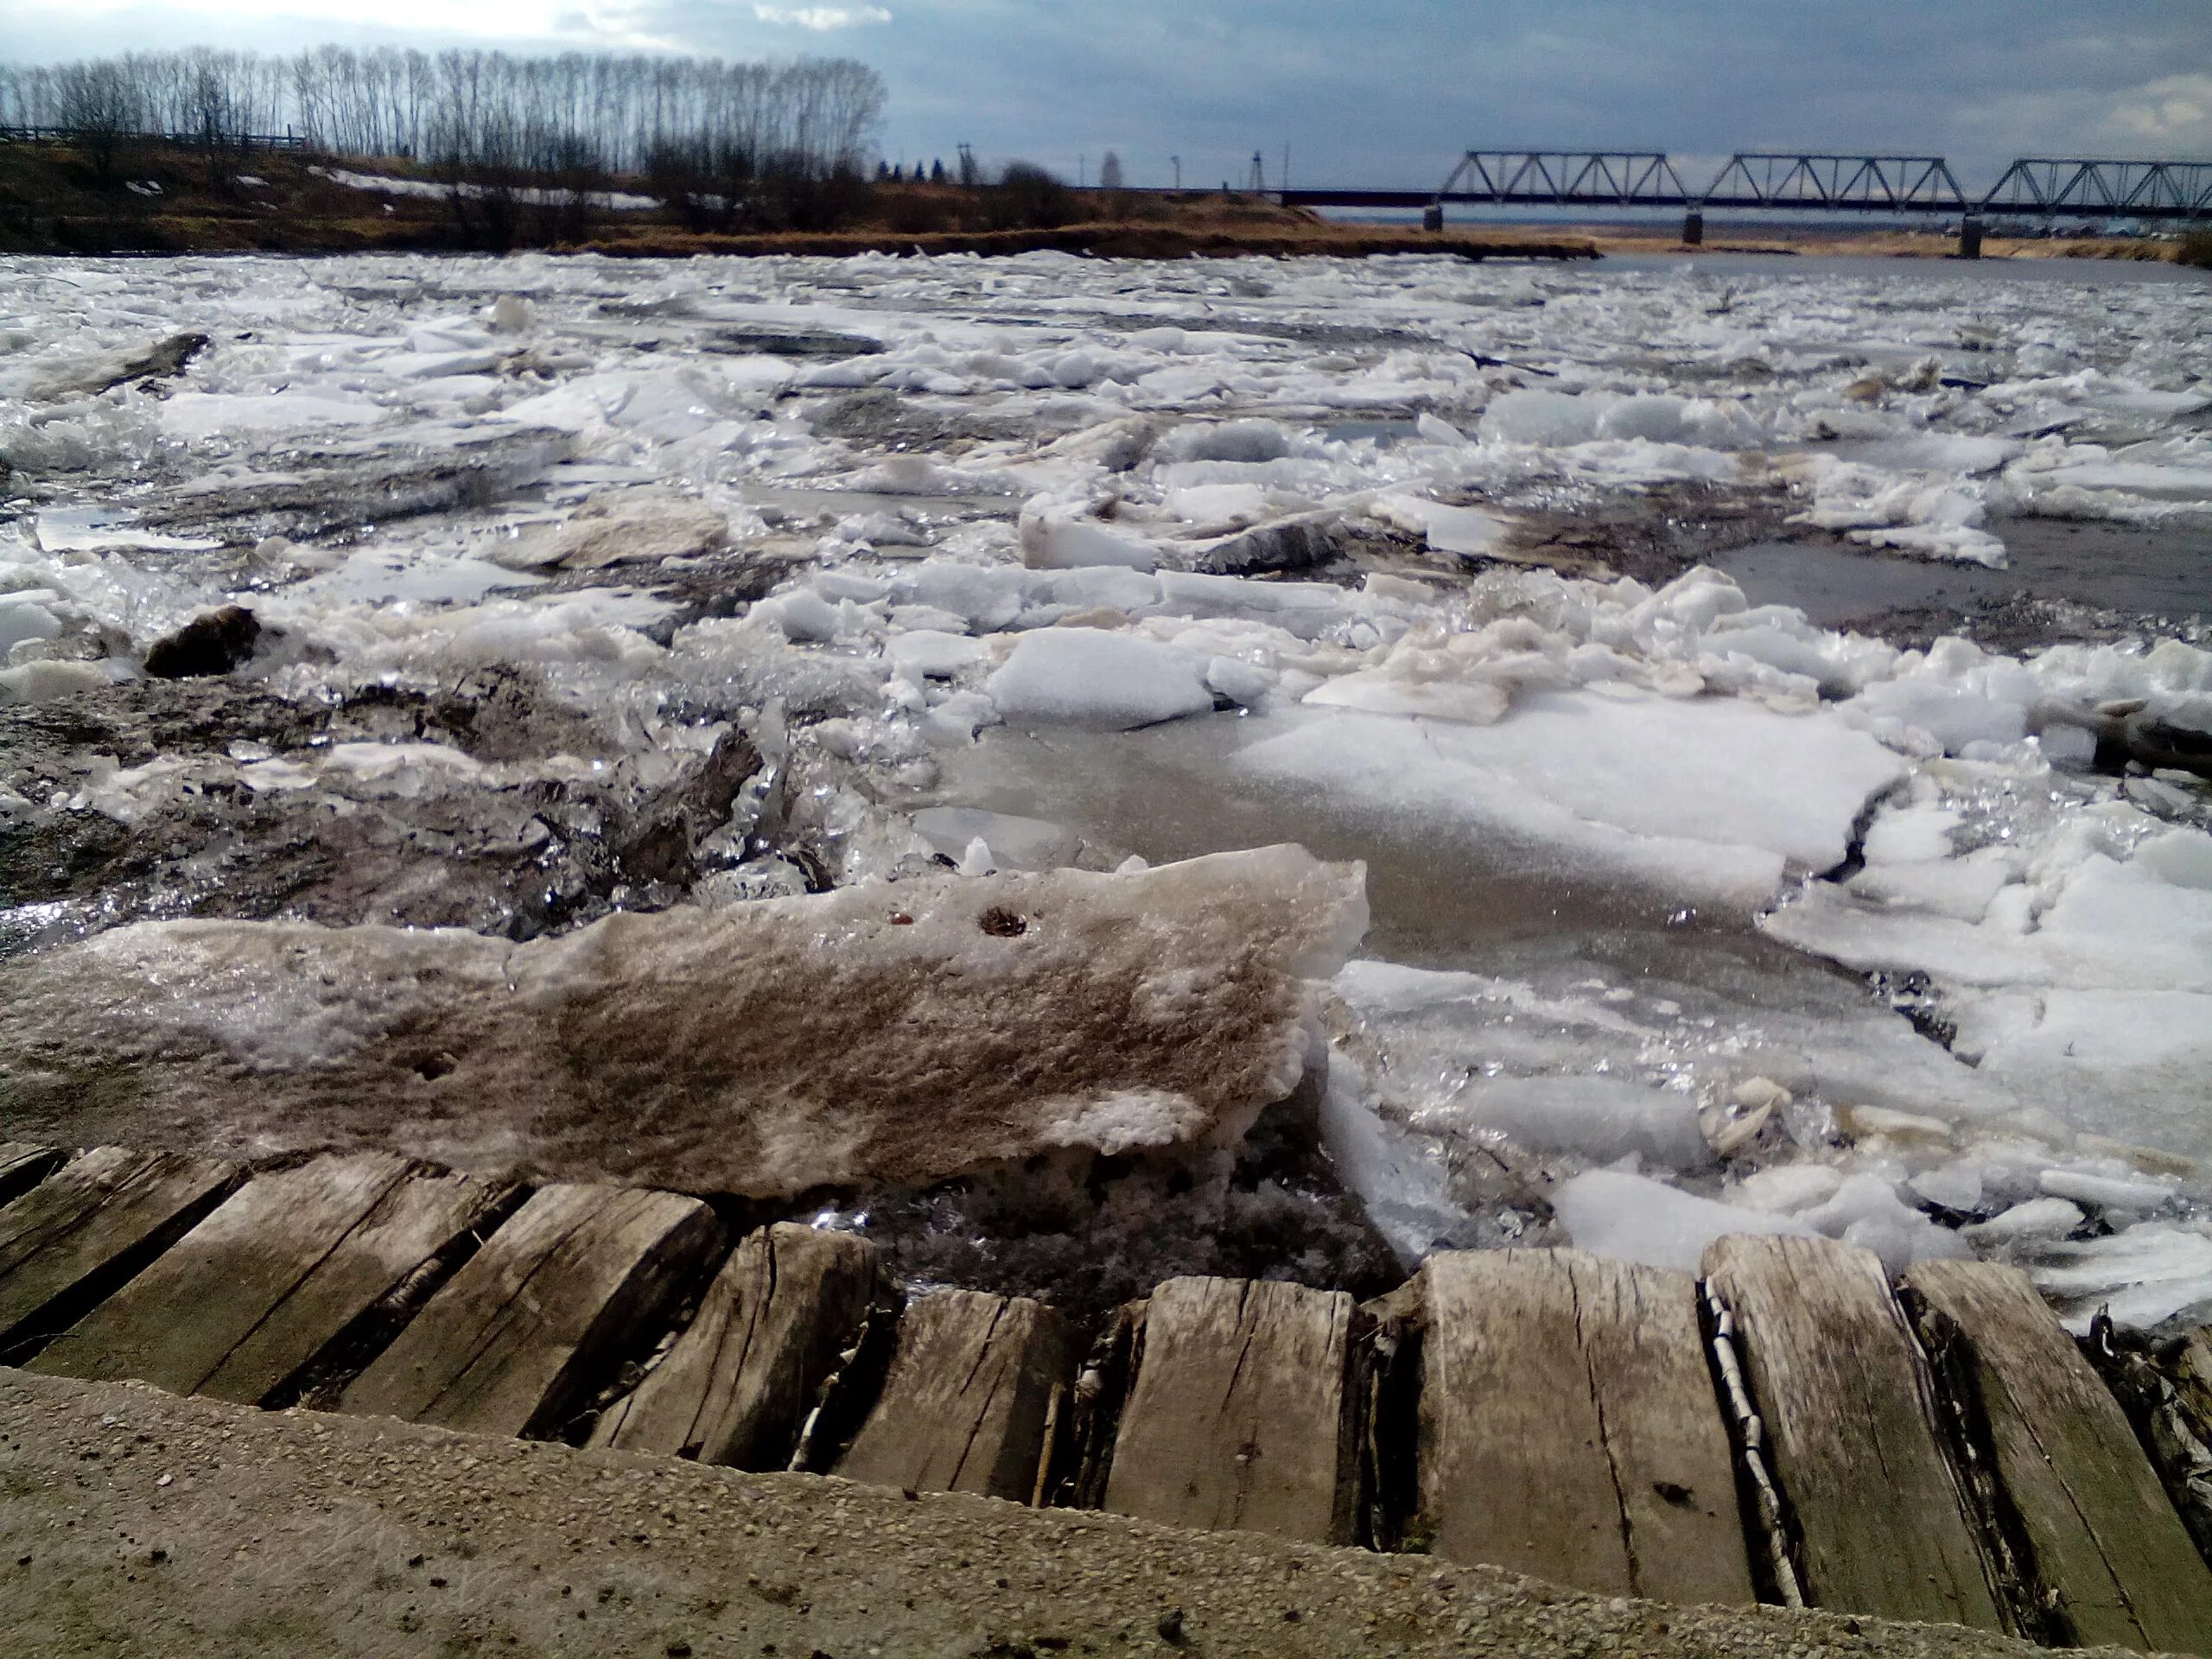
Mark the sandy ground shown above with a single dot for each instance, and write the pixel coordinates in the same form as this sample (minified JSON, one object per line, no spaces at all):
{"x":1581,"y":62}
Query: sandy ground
{"x":135,"y":1523}
{"x":1893,"y":244}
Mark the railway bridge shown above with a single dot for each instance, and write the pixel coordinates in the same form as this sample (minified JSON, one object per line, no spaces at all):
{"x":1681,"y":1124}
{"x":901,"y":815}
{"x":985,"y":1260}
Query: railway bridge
{"x":2160,"y":191}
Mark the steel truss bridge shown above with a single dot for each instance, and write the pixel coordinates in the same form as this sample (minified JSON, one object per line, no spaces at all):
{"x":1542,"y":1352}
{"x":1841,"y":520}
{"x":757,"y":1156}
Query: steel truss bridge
{"x":1770,"y":182}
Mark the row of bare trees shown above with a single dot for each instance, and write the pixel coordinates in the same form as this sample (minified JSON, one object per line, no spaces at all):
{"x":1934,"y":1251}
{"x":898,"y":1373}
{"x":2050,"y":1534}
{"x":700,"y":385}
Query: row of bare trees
{"x":601,"y":111}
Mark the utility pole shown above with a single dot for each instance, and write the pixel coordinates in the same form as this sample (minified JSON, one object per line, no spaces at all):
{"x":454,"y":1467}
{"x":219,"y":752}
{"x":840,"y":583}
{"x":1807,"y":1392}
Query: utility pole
{"x":1259,"y":184}
{"x":1178,"y":162}
{"x":1081,"y":171}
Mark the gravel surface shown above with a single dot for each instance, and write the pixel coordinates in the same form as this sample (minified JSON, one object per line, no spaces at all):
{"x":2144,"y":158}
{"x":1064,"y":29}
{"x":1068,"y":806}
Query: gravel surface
{"x":135,"y":1523}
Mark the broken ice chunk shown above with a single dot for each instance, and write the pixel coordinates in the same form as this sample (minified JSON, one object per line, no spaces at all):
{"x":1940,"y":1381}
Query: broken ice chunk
{"x":1106,"y":681}
{"x":1066,"y":544}
{"x":2104,"y":1191}
{"x":1866,"y":1210}
{"x":2037,"y":1218}
{"x":761,"y":1049}
{"x":2151,"y":1274}
{"x":1598,"y":1118}
{"x":1469,"y":531}
{"x":804,"y":615}
{"x":928,"y":653}
{"x":1634,"y":1218}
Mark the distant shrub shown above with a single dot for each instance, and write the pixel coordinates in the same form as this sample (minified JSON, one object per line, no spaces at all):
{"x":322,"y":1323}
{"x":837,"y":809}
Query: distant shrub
{"x":917,"y":213}
{"x":729,"y":189}
{"x":810,"y":201}
{"x":1027,"y":198}
{"x":2196,"y":250}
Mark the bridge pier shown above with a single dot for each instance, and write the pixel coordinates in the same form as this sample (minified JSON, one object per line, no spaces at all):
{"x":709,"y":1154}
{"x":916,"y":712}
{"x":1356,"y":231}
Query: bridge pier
{"x":1969,"y":238}
{"x":1432,"y":217}
{"x":1694,"y":229}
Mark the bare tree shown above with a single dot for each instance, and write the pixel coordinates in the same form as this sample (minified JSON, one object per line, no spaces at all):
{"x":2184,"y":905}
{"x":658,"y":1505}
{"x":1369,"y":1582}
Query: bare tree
{"x":100,"y":104}
{"x":741,"y":143}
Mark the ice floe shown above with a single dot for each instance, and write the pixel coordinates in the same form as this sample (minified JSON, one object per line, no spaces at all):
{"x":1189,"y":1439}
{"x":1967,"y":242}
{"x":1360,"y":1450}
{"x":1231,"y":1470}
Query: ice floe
{"x":1726,"y":920}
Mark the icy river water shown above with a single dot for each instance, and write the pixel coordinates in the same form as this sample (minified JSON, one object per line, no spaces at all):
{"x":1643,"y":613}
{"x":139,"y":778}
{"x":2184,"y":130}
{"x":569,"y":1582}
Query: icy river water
{"x":1769,"y":696}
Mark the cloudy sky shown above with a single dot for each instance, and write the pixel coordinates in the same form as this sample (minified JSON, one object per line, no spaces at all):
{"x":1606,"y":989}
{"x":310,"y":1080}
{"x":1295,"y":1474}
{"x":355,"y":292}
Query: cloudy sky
{"x":1362,"y":92}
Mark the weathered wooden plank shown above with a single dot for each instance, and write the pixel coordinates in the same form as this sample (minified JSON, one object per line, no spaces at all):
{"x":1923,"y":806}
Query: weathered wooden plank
{"x":1569,"y":1427}
{"x":736,"y":1386}
{"x":420,"y":1218}
{"x":88,"y":1227}
{"x":23,"y":1166}
{"x":2107,"y":1547}
{"x":1844,"y":1393}
{"x":962,"y":1409}
{"x":1238,"y":1417}
{"x":266,"y":1282}
{"x":513,"y":1342}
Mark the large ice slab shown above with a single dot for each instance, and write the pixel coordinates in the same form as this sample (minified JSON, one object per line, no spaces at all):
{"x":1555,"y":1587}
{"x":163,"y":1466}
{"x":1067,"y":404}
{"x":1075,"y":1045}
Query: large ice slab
{"x":1712,"y":798}
{"x":1108,"y":682}
{"x":879,"y":1036}
{"x":2074,"y":967}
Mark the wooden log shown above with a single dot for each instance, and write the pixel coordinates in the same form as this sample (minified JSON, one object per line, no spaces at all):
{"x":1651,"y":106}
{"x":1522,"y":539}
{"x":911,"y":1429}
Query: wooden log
{"x":737,"y":1385}
{"x":513,"y":1342}
{"x":1569,"y":1427}
{"x":1237,"y":1420}
{"x":1848,"y":1409}
{"x":23,"y":1166}
{"x":260,"y":1287}
{"x":964,"y":1406}
{"x":2108,"y":1553}
{"x":88,"y":1228}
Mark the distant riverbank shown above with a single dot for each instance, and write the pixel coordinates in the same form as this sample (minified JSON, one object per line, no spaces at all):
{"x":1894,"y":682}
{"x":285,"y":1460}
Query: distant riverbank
{"x":159,"y":198}
{"x":1657,"y":233}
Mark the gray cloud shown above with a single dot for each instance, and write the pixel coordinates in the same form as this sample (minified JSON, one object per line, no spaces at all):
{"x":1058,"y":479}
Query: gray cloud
{"x":1391,"y":91}
{"x":821,"y":20}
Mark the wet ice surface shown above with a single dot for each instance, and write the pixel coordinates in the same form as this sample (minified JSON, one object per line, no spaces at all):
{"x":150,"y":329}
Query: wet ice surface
{"x":2056,"y":571}
{"x":1690,"y":912}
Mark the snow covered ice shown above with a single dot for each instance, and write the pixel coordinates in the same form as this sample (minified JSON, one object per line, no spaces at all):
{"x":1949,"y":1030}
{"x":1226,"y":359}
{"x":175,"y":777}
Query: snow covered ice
{"x":1688,"y":914}
{"x":766,"y":1049}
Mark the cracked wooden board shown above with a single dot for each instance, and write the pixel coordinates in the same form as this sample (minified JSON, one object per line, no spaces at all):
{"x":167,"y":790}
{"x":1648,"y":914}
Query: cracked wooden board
{"x":737,"y":1385}
{"x":88,"y":1227}
{"x":515,"y":1341}
{"x":2105,"y":1542}
{"x":1847,"y":1404}
{"x":1569,"y":1426}
{"x":964,"y":1405}
{"x":272,"y":1275}
{"x":1238,"y":1418}
{"x":23,"y":1166}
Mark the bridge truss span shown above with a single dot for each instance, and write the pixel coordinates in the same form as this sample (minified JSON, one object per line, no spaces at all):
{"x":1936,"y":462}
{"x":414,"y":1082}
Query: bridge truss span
{"x":1776,"y":181}
{"x":1878,"y":183}
{"x":2099,"y":189}
{"x":1594,"y":178}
